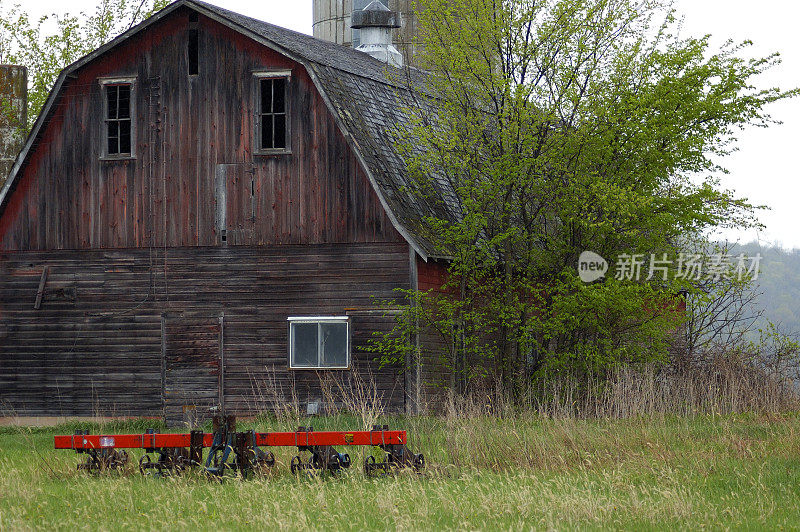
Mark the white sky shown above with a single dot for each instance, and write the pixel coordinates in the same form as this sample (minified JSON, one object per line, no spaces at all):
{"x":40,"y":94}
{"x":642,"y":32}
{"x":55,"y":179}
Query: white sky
{"x":764,"y":170}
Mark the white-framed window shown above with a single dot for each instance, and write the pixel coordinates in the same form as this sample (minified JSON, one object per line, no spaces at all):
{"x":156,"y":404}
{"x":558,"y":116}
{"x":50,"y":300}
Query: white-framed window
{"x":119,"y":128}
{"x":321,"y":342}
{"x":272,"y":120}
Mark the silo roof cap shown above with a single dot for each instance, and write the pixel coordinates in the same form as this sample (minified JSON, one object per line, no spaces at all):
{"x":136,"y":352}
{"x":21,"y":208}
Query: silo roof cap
{"x":375,"y":15}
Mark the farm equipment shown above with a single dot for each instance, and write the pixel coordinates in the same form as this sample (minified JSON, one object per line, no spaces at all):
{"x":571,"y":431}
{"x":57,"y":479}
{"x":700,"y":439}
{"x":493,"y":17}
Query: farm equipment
{"x":241,"y":452}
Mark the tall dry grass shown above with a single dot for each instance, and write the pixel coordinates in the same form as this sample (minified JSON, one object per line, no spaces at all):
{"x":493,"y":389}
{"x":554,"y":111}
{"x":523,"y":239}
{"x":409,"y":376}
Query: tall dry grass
{"x":350,"y":393}
{"x":725,"y":386}
{"x":718,"y":387}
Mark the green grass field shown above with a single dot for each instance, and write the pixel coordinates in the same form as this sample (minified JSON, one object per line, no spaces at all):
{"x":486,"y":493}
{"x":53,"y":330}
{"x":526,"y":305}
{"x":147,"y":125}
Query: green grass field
{"x":739,"y":472}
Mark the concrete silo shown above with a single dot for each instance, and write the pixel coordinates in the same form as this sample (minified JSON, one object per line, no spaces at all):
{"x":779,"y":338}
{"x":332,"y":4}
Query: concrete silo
{"x":332,"y":23}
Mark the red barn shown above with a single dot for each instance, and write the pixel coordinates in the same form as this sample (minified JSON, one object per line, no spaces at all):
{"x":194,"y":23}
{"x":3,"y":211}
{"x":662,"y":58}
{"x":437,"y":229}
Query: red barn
{"x":205,"y":212}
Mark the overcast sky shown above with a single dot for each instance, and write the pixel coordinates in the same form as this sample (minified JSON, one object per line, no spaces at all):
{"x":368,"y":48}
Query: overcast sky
{"x":765,"y":168}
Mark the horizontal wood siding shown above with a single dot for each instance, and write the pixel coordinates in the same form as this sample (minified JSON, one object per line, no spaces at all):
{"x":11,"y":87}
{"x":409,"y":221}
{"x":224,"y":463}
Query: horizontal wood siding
{"x":436,"y":373}
{"x":185,"y":128}
{"x":191,"y":365}
{"x":95,"y":345}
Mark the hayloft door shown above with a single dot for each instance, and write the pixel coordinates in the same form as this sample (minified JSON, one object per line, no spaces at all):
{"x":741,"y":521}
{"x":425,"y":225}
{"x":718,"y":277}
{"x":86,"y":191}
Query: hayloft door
{"x":192,"y":367}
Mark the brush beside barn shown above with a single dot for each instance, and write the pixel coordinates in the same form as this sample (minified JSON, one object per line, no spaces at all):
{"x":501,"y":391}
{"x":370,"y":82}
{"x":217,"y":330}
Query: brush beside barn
{"x":206,"y":213}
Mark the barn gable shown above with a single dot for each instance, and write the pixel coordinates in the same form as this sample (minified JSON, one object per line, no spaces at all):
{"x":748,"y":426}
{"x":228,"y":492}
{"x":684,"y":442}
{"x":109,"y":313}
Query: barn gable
{"x":355,"y":97}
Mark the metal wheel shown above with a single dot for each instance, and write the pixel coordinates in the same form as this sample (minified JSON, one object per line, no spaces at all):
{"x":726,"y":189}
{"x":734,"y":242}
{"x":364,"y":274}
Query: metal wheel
{"x":268,"y":459}
{"x":146,"y":465}
{"x":369,"y":465}
{"x":296,"y":465}
{"x":335,"y":465}
{"x":123,"y":459}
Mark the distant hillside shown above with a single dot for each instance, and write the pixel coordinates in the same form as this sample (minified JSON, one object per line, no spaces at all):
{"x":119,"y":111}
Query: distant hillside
{"x":779,"y":284}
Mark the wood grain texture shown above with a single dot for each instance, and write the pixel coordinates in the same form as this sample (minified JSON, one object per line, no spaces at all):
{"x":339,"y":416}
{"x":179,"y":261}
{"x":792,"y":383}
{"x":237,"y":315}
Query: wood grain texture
{"x":68,"y":198}
{"x":95,"y":346}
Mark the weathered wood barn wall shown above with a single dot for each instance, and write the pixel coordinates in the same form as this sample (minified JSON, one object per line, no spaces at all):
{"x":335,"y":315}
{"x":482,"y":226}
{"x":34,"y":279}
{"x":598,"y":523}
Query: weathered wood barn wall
{"x":188,"y":129}
{"x":118,"y":294}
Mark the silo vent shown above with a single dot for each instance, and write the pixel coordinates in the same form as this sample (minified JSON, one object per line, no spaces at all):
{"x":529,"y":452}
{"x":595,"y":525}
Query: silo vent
{"x":376,"y":23}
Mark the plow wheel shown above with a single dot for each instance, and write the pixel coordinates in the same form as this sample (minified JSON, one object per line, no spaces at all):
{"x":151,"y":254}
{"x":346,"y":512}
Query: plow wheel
{"x":395,"y":459}
{"x":257,"y":463}
{"x":369,"y":465}
{"x":170,"y":461}
{"x":338,"y":463}
{"x":104,"y":460}
{"x":146,"y":464}
{"x":373,"y":468}
{"x":297,"y":465}
{"x":323,"y":459}
{"x":262,"y":461}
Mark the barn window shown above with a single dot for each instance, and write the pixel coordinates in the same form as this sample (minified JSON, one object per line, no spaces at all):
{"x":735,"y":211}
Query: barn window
{"x":272,"y":112}
{"x":118,"y":103}
{"x":319,"y":343}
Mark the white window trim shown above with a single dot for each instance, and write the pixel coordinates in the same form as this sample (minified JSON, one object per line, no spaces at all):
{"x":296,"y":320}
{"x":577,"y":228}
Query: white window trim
{"x":273,"y":73}
{"x":105,"y":82}
{"x":259,"y":75}
{"x":317,"y":319}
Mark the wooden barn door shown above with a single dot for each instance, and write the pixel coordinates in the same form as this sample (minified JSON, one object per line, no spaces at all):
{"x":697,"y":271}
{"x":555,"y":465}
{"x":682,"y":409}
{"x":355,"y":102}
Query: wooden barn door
{"x":192,"y":367}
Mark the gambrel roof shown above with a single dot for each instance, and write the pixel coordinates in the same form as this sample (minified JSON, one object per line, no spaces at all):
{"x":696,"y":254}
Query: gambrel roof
{"x":368,"y":99}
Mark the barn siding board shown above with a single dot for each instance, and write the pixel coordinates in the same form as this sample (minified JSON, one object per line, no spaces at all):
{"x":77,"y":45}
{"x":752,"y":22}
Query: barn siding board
{"x":99,"y":351}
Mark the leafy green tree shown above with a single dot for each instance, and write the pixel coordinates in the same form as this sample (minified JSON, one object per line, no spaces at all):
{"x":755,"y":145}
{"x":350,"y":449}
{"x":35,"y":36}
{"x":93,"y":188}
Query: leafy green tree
{"x":563,"y":126}
{"x":47,"y":45}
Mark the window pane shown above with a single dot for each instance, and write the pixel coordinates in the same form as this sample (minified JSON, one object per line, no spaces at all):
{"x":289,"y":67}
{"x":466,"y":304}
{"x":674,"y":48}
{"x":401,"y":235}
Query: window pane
{"x":113,"y":137}
{"x":279,"y":95}
{"x":266,"y":96}
{"x":334,"y":344}
{"x":125,"y":137}
{"x":304,"y":345}
{"x":112,"y":101}
{"x":266,"y":132}
{"x":124,"y":102}
{"x":280,"y":132}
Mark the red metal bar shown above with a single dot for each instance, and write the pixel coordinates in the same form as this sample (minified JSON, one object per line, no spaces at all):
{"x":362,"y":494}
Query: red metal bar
{"x":289,"y":439}
{"x":265,"y":439}
{"x":128,"y":441}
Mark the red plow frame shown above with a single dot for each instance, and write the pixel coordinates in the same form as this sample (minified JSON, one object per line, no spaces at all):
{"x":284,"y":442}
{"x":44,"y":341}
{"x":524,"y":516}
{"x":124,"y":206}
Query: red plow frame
{"x":240,"y":451}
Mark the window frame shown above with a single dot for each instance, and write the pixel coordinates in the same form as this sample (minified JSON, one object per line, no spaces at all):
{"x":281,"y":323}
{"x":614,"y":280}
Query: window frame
{"x":105,"y":83}
{"x":258,"y":77}
{"x":319,"y":320}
